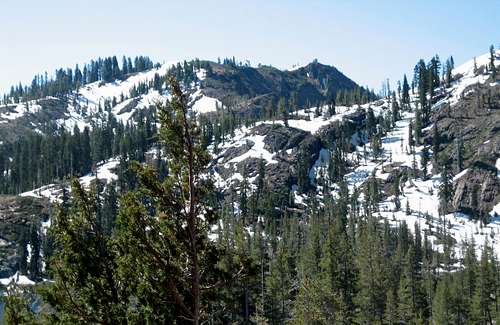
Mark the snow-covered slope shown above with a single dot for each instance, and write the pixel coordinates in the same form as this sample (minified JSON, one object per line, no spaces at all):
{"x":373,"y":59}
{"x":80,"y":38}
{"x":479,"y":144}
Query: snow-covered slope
{"x":19,"y":110}
{"x":467,"y":75}
{"x":17,"y":279}
{"x":97,"y":92}
{"x":421,"y":195}
{"x":104,"y":172}
{"x":85,"y":106}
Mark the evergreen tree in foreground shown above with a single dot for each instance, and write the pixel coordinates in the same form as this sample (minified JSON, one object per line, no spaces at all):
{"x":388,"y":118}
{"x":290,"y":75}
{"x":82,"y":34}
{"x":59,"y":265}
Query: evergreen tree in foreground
{"x":158,"y":265}
{"x":165,"y":225}
{"x":87,"y":286}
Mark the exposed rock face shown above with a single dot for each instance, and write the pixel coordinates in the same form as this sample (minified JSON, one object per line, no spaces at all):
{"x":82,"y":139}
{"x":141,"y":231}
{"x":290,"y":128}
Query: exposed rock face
{"x":249,"y":90}
{"x":287,"y":145}
{"x":279,"y":137}
{"x":478,"y":190}
{"x":475,"y":120}
{"x":17,"y":214}
{"x":51,"y":109}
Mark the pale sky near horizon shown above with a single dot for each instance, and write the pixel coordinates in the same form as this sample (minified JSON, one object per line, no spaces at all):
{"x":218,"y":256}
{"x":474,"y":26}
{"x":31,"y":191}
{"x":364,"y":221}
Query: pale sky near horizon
{"x":367,"y":40}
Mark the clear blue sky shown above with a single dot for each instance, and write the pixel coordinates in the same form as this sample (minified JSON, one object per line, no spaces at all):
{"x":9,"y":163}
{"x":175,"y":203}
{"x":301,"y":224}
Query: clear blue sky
{"x":367,"y":40}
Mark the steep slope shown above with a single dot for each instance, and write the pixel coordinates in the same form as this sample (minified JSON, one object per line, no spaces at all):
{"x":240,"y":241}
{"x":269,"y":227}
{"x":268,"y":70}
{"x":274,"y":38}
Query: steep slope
{"x":468,"y":118}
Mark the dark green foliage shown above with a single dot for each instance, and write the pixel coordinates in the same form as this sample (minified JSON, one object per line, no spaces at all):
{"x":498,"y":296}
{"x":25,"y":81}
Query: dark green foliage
{"x":371,"y":127}
{"x":87,"y":284}
{"x":303,"y":180}
{"x":358,"y":95}
{"x":376,"y":145}
{"x":18,"y":306}
{"x":109,"y":275}
{"x":65,"y":80}
{"x":493,"y":68}
{"x":283,"y":110}
{"x":405,"y":97}
{"x":424,"y":161}
{"x":44,"y":159}
{"x":163,"y":219}
{"x":445,"y":189}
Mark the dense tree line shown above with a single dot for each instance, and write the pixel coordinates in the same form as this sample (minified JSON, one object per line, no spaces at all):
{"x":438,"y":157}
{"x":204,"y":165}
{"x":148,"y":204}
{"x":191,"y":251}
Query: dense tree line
{"x":64,"y":81}
{"x":40,"y":159}
{"x":358,"y":95}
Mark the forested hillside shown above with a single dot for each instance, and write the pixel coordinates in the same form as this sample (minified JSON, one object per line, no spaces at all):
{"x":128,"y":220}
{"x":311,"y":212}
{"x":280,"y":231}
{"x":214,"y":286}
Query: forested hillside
{"x":221,"y":193}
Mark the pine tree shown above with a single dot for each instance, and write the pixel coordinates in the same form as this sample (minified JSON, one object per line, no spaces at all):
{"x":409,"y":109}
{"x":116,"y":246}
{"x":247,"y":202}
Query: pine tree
{"x":397,"y":193}
{"x":303,"y":181}
{"x":278,"y":284}
{"x":395,"y":111}
{"x":376,"y":145}
{"x":244,"y":196}
{"x":424,"y":161}
{"x":405,"y":99}
{"x":178,"y":243}
{"x":87,"y":286}
{"x":125,"y":70}
{"x":418,"y":127}
{"x":441,"y":313}
{"x":411,"y":141}
{"x":283,"y":110}
{"x":435,"y":142}
{"x":312,"y":304}
{"x":22,"y":254}
{"x":409,"y":290}
{"x":445,"y":189}
{"x":96,"y":276}
{"x":391,"y":313}
{"x":261,"y":174}
{"x":482,"y":309}
{"x":370,"y":297}
{"x":35,"y":258}
{"x":493,"y":68}
{"x":370,"y":122}
{"x":109,"y":209}
{"x":338,"y":272}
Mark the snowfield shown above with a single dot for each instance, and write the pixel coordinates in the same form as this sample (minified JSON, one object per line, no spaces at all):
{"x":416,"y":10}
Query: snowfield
{"x":467,"y":77}
{"x":17,"y":279}
{"x":97,"y":92}
{"x":53,"y":192}
{"x":20,"y":110}
{"x":202,"y":104}
{"x":82,"y":109}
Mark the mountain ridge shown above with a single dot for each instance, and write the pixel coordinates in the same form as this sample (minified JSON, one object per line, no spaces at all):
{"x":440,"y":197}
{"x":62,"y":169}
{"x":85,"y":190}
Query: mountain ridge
{"x":298,"y":151}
